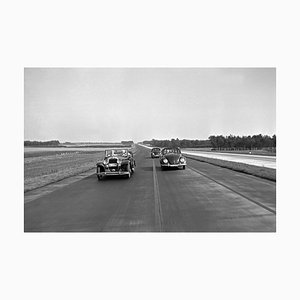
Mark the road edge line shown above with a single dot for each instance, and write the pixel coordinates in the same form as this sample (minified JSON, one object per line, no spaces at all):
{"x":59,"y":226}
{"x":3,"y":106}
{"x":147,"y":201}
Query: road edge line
{"x":229,"y":188}
{"x":157,"y":202}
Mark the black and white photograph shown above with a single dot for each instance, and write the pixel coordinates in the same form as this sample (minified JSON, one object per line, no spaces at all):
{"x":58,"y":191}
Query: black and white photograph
{"x":150,"y":149}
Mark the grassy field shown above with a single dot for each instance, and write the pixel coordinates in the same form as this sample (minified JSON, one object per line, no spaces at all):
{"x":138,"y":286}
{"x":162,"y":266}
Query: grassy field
{"x":45,"y":167}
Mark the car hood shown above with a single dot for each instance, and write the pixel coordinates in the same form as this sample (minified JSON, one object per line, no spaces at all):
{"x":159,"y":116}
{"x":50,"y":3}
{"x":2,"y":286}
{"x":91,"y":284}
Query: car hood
{"x":172,"y":157}
{"x":116,"y":157}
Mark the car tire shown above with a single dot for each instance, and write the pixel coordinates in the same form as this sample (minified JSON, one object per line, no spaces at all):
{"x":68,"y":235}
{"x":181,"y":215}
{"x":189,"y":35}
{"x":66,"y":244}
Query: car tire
{"x":183,"y":167}
{"x":99,"y":177}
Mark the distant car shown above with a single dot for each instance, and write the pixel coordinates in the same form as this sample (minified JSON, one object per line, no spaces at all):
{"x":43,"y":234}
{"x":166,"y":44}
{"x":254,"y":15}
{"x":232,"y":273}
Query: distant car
{"x":117,"y":162}
{"x":172,"y":158}
{"x":155,"y":152}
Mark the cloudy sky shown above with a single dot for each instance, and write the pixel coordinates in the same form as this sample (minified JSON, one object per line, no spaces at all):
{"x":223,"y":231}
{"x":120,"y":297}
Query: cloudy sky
{"x":112,"y":104}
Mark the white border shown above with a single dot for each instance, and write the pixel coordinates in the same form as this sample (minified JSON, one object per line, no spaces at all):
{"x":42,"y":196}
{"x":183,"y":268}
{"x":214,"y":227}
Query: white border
{"x":149,"y":34}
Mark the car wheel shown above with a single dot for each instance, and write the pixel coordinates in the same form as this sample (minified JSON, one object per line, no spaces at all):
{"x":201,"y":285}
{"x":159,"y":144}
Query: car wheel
{"x":99,"y":177}
{"x":183,"y":167}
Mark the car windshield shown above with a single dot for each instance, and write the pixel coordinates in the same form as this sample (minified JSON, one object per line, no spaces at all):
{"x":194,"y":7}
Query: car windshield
{"x":171,"y":150}
{"x":116,"y":152}
{"x":155,"y":149}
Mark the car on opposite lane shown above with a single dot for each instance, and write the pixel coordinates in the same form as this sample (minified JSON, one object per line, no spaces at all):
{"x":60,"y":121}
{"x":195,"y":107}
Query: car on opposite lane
{"x":171,"y":157}
{"x":155,"y":152}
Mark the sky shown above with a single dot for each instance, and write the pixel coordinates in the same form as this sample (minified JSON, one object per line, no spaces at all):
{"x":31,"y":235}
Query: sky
{"x":114,"y":104}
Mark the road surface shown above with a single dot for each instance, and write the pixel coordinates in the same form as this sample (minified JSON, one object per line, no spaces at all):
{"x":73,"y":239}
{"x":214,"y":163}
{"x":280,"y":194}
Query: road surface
{"x":201,"y":198}
{"x":255,"y":160}
{"x":250,"y":159}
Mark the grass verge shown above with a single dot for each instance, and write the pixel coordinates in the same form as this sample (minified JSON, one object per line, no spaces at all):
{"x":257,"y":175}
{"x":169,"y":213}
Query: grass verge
{"x":40,"y":171}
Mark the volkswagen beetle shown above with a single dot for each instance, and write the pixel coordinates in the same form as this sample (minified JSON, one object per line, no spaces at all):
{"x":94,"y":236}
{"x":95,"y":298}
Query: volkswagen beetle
{"x":116,"y":162}
{"x":171,"y":157}
{"x":155,"y":152}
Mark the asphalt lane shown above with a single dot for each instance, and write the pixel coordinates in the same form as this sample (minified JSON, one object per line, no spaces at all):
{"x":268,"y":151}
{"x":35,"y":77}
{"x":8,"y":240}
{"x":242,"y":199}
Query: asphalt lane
{"x":114,"y":204}
{"x":201,"y":198}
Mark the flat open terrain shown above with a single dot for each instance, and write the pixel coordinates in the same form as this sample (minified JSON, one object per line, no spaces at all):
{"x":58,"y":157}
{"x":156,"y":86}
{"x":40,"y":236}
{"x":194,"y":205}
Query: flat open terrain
{"x":45,"y":166}
{"x":202,"y":198}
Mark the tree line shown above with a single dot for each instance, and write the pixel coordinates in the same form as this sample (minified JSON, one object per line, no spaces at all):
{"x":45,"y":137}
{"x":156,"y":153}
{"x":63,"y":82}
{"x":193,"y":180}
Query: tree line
{"x":179,"y":143}
{"x":233,"y":142}
{"x":220,"y":142}
{"x":127,"y":143}
{"x":38,"y":143}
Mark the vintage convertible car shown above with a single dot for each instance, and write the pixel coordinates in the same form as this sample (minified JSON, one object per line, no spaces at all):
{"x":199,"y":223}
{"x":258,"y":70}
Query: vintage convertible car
{"x":172,"y":157}
{"x":116,"y":162}
{"x":155,"y":152}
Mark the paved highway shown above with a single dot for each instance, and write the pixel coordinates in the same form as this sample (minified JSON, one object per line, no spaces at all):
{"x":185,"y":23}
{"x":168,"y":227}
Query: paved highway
{"x":256,"y":160}
{"x":201,"y":198}
{"x":250,"y":159}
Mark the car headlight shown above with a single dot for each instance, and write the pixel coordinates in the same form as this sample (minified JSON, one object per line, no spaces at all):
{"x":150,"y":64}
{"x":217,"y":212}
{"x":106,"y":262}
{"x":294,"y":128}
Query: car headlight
{"x":182,"y":160}
{"x":165,"y":161}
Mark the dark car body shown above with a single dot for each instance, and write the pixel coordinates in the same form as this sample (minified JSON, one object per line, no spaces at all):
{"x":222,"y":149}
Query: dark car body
{"x":171,"y":157}
{"x":117,"y":162}
{"x":155,"y":152}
